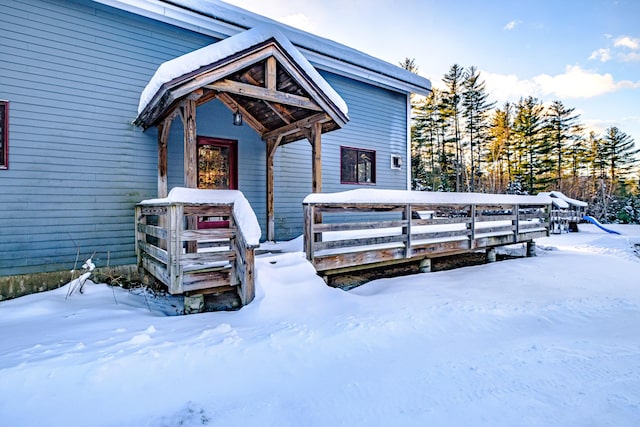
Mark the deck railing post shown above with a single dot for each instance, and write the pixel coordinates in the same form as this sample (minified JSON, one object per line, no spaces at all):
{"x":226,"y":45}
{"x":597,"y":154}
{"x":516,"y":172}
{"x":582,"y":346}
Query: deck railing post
{"x":308,"y":230}
{"x":547,"y":218}
{"x":516,"y":223}
{"x":248,"y":284}
{"x":406,"y":230}
{"x":176,"y":214}
{"x":472,"y":227}
{"x":140,"y":219}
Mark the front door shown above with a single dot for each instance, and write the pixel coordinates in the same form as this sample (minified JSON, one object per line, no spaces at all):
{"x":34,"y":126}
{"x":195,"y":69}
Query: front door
{"x":217,"y":164}
{"x":217,"y":170}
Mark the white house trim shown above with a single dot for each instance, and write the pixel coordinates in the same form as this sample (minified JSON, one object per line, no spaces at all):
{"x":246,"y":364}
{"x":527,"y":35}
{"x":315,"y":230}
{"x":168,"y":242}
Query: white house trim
{"x":322,"y":53}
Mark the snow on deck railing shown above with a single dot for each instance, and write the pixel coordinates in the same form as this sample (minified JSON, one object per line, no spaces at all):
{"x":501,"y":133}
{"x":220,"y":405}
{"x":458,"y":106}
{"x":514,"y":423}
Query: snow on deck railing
{"x":198,"y":239}
{"x":361,"y":227}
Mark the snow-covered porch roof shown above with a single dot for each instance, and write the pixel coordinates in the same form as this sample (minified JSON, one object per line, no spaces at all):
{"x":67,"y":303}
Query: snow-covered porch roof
{"x":258,"y":72}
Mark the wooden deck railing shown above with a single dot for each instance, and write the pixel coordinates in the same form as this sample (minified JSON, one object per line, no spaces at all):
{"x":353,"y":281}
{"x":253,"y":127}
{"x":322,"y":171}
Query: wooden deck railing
{"x":339,"y":237}
{"x":171,"y":248}
{"x":563,"y":220}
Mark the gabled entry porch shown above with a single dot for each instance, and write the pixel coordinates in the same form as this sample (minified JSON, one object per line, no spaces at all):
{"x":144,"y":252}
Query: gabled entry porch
{"x":264,"y":82}
{"x":259,"y":76}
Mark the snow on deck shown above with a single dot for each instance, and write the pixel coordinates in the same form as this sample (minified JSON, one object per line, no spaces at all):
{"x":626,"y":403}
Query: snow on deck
{"x":424,"y":197}
{"x":192,"y":61}
{"x":244,"y":214}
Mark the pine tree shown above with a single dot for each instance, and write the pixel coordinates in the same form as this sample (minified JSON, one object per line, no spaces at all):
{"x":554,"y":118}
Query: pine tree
{"x":409,"y":64}
{"x":451,"y":100}
{"x":619,"y":152}
{"x":528,"y":129}
{"x":500,"y":153}
{"x":475,"y":109}
{"x":564,"y":128}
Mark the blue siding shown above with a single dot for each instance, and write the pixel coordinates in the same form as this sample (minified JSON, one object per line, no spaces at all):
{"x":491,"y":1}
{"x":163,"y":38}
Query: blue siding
{"x":377,"y":122}
{"x":73,"y":72}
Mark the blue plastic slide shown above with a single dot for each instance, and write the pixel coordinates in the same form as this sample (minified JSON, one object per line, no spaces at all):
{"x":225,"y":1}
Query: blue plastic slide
{"x":594,"y":221}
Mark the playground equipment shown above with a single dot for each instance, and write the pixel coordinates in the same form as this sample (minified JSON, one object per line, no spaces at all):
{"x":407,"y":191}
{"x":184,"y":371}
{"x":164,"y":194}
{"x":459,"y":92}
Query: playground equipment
{"x":597,"y":223}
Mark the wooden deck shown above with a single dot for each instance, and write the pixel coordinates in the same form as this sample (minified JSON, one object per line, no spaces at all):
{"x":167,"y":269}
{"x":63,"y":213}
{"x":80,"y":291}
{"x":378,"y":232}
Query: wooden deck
{"x":186,"y":259}
{"x":343,"y":237}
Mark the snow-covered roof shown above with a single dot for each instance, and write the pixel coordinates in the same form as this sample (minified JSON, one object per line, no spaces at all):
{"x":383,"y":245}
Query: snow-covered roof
{"x":366,"y":195}
{"x":559,"y":203}
{"x":221,"y":20}
{"x":569,"y":200}
{"x":228,"y":47}
{"x":244,"y":215}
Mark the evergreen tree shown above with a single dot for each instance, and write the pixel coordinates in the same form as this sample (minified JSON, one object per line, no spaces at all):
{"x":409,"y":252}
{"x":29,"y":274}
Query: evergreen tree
{"x":596,"y":156}
{"x":500,"y":152}
{"x":475,"y":110}
{"x":528,"y":129}
{"x":564,"y":128}
{"x":409,"y":64}
{"x":619,"y":152}
{"x":451,"y":103}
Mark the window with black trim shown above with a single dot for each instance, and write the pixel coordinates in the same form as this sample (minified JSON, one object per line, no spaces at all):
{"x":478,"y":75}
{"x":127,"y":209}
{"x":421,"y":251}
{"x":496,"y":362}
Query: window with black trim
{"x":4,"y":134}
{"x":357,"y":166}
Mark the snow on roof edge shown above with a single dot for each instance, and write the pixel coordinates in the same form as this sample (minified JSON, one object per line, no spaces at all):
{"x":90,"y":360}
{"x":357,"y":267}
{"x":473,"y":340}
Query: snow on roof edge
{"x":229,"y":19}
{"x":422,"y":197}
{"x":214,"y":52}
{"x":242,"y":17}
{"x":244,"y":214}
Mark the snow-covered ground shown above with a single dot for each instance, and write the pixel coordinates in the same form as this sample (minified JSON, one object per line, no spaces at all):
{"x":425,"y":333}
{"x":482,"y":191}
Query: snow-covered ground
{"x":546,"y":341}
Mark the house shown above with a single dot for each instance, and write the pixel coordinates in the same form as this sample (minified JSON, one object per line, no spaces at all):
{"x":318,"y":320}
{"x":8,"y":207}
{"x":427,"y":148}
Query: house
{"x":89,"y":127}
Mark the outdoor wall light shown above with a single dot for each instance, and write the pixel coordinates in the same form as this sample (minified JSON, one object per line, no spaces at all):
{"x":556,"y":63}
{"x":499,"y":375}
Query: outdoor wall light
{"x":237,"y":118}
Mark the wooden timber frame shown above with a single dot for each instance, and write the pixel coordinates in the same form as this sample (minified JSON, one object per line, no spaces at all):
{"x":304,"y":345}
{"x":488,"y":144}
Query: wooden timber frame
{"x":345,"y":237}
{"x":224,"y":260}
{"x":277,"y":95}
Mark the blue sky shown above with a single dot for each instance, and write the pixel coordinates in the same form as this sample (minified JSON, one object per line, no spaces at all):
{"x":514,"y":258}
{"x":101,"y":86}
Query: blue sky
{"x":584,"y":53}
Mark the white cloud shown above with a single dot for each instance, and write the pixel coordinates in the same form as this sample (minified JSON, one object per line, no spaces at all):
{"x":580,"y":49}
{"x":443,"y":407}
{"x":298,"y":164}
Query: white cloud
{"x":575,"y":82}
{"x":628,"y":42}
{"x":602,"y":55}
{"x":298,"y":20}
{"x":511,"y":25}
{"x":503,"y":87}
{"x":630,"y":57}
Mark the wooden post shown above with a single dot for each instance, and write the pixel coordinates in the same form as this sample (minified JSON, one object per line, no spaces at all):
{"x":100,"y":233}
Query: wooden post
{"x":308,"y":231}
{"x":531,"y":248}
{"x":472,"y":227}
{"x":188,"y":109}
{"x":270,"y":73}
{"x":163,"y":136}
{"x":176,"y":214}
{"x":316,"y":149}
{"x":425,"y":265}
{"x":406,"y":230}
{"x":248,"y":287}
{"x":272,"y":145}
{"x":316,"y":166}
{"x":140,"y":236}
{"x":491,"y":255}
{"x":516,"y":223}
